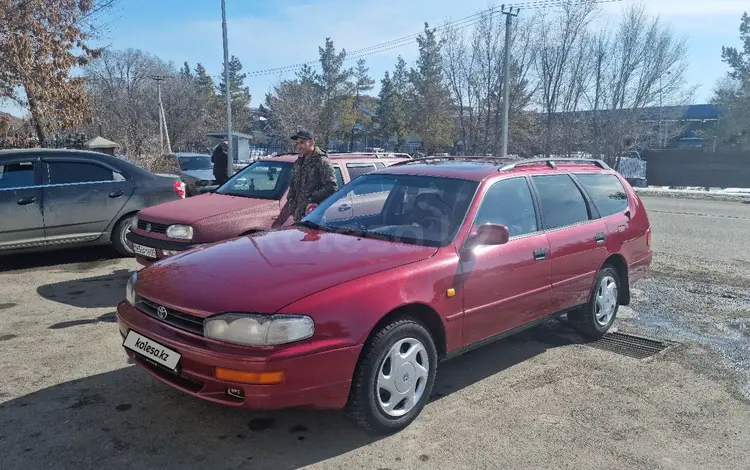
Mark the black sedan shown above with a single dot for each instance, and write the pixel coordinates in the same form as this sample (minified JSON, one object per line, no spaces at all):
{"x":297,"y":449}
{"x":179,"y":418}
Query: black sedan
{"x":63,"y":198}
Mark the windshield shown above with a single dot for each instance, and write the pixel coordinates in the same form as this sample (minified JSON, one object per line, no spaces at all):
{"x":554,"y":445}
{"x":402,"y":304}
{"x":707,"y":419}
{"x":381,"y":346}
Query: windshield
{"x":195,"y":163}
{"x":420,"y":210}
{"x":261,"y":180}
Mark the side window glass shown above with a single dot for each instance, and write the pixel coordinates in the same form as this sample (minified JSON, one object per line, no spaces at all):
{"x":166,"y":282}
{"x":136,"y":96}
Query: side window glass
{"x":607,"y":192}
{"x":358,"y":169}
{"x":561,"y":200}
{"x":509,"y":202}
{"x":16,"y":175}
{"x":77,"y":172}
{"x":339,"y":177}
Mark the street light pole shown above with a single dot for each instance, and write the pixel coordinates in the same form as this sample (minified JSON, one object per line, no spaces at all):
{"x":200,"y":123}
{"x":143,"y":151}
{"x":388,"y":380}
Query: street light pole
{"x":230,"y":153}
{"x":506,"y":75}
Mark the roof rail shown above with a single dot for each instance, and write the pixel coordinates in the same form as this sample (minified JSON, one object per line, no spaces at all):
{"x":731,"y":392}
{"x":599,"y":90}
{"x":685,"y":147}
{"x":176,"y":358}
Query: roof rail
{"x":552,"y":162}
{"x":451,"y":159}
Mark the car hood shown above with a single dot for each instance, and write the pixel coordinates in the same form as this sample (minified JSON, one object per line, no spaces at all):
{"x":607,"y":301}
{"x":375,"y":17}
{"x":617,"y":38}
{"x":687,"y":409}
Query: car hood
{"x":265,"y":272}
{"x":200,"y":174}
{"x":197,"y":208}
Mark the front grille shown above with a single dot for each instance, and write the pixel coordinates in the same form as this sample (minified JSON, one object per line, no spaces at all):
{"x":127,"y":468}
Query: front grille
{"x":155,"y":227}
{"x":177,"y":319}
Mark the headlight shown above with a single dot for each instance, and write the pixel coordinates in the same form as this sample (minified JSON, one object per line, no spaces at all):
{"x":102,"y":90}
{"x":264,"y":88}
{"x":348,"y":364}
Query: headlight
{"x":130,"y":294}
{"x":183,"y":232}
{"x":258,"y":330}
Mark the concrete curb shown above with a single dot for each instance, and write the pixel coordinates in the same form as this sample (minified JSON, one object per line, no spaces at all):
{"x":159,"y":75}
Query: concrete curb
{"x":687,"y":194}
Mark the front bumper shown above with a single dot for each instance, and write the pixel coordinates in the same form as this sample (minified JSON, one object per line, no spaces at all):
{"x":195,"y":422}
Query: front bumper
{"x":317,"y":380}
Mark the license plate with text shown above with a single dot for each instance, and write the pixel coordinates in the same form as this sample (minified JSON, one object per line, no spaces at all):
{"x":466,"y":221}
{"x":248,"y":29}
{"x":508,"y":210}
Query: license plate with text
{"x":152,"y":350}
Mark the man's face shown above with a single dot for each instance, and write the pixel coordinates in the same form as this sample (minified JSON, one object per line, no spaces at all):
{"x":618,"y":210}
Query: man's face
{"x":305,"y":146}
{"x":225,"y":146}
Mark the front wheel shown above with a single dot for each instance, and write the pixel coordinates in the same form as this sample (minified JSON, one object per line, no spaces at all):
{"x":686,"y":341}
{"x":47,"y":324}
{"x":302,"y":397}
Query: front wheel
{"x":596,"y":317}
{"x":394,"y":377}
{"x":119,"y":234}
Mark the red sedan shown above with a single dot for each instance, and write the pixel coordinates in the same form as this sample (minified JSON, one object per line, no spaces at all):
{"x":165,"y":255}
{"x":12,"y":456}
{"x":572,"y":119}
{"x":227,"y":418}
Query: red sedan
{"x":354,"y":310}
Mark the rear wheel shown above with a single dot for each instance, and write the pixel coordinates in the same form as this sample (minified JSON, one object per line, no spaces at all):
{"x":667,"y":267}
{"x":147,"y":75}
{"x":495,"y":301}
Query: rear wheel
{"x":122,"y":228}
{"x":394,"y":378}
{"x":597,"y":316}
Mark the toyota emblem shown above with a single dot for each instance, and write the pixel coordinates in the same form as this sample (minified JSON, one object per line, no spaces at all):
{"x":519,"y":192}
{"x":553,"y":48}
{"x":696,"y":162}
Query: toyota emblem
{"x":148,"y":227}
{"x":161,"y":312}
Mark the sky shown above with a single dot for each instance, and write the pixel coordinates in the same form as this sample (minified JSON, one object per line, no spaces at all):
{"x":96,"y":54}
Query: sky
{"x":266,"y":34}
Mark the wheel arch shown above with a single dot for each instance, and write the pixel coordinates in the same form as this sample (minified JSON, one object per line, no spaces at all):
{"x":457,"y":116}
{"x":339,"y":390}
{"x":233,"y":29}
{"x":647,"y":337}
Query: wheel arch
{"x":420,"y":312}
{"x":618,"y":263}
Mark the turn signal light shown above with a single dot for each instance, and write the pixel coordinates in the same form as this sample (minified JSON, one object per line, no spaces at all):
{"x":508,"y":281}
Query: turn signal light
{"x":648,"y":238}
{"x":254,"y":378}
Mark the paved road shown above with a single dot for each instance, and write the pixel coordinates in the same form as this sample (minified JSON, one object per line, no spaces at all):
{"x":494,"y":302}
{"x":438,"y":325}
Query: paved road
{"x":69,"y":399}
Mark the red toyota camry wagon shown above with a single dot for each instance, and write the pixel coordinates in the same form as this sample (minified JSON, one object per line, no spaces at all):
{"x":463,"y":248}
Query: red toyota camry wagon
{"x":354,"y":308}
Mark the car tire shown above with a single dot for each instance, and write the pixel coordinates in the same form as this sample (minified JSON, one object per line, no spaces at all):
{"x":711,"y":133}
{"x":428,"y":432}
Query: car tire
{"x":596,"y":317}
{"x":370,"y":403}
{"x":119,"y":242}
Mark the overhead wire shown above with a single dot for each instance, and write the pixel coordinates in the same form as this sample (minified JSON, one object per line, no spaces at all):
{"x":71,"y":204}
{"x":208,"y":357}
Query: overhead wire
{"x":459,"y":24}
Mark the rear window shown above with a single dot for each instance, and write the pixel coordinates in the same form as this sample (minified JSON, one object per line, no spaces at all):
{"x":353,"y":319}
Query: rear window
{"x":607,"y":192}
{"x":359,"y":169}
{"x":78,"y":172}
{"x":561,"y":200}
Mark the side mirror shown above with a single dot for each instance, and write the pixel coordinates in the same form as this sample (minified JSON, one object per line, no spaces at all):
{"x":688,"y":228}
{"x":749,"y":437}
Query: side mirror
{"x":310,"y":207}
{"x":490,"y":234}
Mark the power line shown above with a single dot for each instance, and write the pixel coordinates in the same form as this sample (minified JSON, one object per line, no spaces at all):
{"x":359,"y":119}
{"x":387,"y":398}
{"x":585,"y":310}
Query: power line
{"x":459,"y":24}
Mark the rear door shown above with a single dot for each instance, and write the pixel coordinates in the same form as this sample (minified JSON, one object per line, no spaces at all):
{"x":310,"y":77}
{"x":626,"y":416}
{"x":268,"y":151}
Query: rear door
{"x":576,"y":238}
{"x":21,"y":217}
{"x":82,"y":197}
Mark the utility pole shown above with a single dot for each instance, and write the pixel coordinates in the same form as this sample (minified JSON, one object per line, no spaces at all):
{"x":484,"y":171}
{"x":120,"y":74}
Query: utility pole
{"x":230,"y":152}
{"x":506,"y":74}
{"x":158,"y":79}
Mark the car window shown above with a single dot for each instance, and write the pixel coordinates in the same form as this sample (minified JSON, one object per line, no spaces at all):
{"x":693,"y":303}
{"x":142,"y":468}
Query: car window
{"x":17,"y":175}
{"x":339,"y":177}
{"x":509,"y":202}
{"x":607,"y":192}
{"x":77,"y":172}
{"x":359,"y":169}
{"x":561,"y":200}
{"x":260,"y":180}
{"x":195,"y":163}
{"x":380,"y":165}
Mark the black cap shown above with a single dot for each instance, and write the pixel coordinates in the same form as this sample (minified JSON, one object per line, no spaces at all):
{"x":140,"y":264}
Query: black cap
{"x":302,"y":134}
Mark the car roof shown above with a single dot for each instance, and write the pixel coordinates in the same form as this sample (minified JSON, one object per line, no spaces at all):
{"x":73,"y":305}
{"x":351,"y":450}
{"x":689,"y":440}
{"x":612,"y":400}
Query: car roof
{"x":291,"y":157}
{"x":480,"y":168}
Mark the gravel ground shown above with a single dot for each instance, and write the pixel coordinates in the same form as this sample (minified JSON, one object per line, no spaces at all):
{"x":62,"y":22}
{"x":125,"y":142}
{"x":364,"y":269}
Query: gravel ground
{"x":538,"y":400}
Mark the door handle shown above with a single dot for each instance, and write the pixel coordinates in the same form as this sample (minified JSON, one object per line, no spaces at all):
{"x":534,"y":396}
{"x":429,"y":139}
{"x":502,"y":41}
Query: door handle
{"x":344,"y":207}
{"x":25,"y":201}
{"x":116,"y":194}
{"x":540,"y":254}
{"x":600,"y":237}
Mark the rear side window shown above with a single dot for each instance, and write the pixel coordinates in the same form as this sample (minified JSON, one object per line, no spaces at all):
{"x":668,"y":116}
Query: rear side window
{"x":16,"y":175}
{"x":359,"y":169}
{"x":508,"y":202}
{"x":77,"y":172}
{"x":561,"y":200}
{"x":607,"y":192}
{"x":339,"y":177}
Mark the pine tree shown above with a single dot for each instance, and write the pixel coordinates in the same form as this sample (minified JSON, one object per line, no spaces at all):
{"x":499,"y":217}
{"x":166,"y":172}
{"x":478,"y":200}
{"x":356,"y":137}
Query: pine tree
{"x":362,"y":83}
{"x":185,"y":72}
{"x":240,"y":96}
{"x":430,"y":110}
{"x":333,"y":80}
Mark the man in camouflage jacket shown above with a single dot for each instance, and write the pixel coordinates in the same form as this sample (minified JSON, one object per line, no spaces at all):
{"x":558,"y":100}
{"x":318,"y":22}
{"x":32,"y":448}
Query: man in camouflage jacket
{"x":313,"y":179}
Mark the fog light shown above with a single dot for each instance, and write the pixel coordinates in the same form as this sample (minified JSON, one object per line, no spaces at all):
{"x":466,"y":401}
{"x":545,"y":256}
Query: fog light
{"x":236,"y":393}
{"x":169,"y":252}
{"x":255,"y":378}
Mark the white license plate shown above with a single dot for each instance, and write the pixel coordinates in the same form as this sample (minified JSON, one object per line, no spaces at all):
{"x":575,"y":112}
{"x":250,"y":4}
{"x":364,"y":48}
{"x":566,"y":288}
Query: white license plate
{"x":152,"y":350}
{"x":146,"y":251}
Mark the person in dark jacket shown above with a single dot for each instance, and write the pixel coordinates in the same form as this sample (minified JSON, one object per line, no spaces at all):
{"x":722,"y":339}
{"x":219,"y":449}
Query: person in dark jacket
{"x":220,"y":159}
{"x":313,"y":179}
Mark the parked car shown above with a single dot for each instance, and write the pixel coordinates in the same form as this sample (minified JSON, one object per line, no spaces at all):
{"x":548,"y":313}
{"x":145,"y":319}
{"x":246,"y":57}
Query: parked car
{"x":356,"y":312}
{"x":248,"y":202}
{"x":197,"y":172}
{"x":53,"y":198}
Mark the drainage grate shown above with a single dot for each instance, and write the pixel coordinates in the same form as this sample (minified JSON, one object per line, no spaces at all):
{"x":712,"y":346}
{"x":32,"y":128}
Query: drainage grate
{"x":629,"y":345}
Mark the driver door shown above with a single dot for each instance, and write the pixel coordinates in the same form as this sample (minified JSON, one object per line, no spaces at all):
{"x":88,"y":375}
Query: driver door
{"x":504,"y":285}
